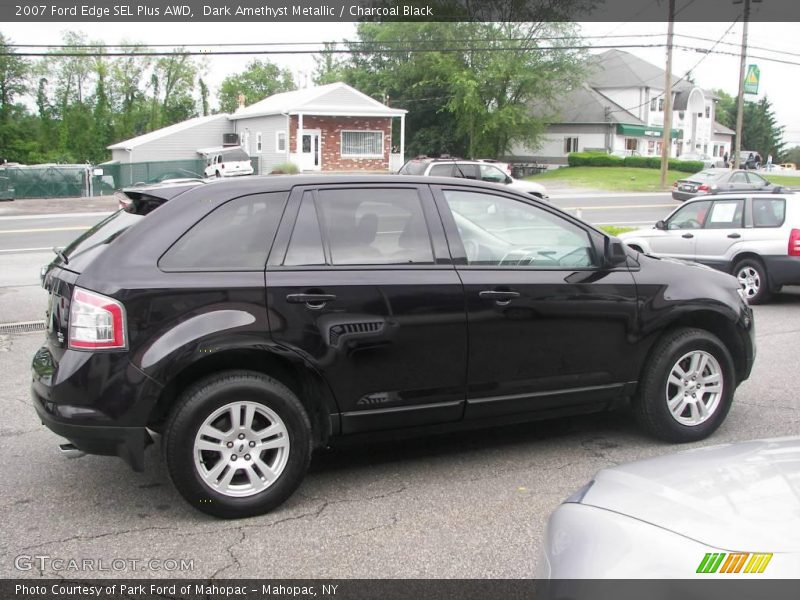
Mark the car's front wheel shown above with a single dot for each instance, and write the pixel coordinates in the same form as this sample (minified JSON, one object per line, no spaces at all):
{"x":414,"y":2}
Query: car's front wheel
{"x":752,"y":278}
{"x":686,"y":387}
{"x":237,"y":444}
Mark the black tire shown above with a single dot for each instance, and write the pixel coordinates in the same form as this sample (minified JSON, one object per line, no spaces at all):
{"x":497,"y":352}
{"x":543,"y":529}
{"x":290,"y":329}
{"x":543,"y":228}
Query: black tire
{"x":753,"y":265}
{"x":650,"y":407}
{"x":218,"y":175}
{"x":197,"y":403}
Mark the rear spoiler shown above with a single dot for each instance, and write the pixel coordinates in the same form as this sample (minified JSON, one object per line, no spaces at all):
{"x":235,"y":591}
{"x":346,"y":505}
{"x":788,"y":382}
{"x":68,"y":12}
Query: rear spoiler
{"x":144,"y":200}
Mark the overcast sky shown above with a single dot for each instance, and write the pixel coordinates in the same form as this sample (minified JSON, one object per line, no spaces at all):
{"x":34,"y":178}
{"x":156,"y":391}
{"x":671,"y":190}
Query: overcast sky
{"x":781,"y":82}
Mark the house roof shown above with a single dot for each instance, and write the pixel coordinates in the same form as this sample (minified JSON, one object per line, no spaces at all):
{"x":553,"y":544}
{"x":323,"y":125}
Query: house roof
{"x":165,"y":131}
{"x":721,"y":129}
{"x":618,"y":69}
{"x":586,"y":105}
{"x":332,"y":99}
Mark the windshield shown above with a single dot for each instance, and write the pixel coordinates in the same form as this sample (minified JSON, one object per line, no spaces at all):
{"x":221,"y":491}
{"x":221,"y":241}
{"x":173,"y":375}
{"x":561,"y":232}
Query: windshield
{"x":706,"y":176}
{"x":105,"y":232}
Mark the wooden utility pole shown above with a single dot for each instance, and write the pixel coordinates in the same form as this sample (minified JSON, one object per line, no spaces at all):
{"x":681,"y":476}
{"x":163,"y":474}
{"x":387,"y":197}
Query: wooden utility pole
{"x":740,"y":99}
{"x":666,"y":137}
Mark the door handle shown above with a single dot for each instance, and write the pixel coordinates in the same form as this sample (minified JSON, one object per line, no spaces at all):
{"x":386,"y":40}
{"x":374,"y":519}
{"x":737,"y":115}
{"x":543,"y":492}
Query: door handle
{"x":501,"y":297}
{"x":734,"y":236}
{"x":687,"y":235}
{"x":310,"y":300}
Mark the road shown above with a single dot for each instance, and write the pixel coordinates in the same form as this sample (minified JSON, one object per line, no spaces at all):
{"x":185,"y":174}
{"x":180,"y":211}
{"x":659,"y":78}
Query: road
{"x":467,"y":505}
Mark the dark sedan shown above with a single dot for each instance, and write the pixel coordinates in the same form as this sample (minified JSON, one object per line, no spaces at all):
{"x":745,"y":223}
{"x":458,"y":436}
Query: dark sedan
{"x":709,"y":181}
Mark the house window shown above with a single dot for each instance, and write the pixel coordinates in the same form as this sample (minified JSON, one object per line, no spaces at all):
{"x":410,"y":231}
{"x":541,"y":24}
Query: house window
{"x":362,"y":144}
{"x":653,"y":104}
{"x":280,"y":141}
{"x":660,"y":105}
{"x":708,"y":112}
{"x":631,"y":145}
{"x":258,"y":142}
{"x":570,"y":144}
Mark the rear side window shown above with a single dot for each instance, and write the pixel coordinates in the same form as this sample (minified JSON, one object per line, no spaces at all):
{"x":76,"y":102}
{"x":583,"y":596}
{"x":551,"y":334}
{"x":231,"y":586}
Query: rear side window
{"x":444,"y":170}
{"x":725,"y":214}
{"x":374,"y":226}
{"x":769,"y":212}
{"x":234,"y":237}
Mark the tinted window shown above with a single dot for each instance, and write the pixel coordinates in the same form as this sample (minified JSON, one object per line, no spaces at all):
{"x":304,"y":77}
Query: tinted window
{"x":739,"y":178}
{"x":305,"y":247}
{"x":374,"y":226}
{"x":769,"y":212}
{"x":492,"y":174}
{"x":725,"y":214}
{"x":445,"y":170}
{"x":235,"y":155}
{"x":690,"y":216}
{"x":413,"y":167}
{"x":500,"y":231}
{"x":466,"y":171}
{"x":757,"y":179}
{"x":234,"y":236}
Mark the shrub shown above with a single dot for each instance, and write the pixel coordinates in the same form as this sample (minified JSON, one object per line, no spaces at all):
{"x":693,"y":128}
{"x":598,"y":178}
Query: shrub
{"x":285,"y":169}
{"x":686,"y":166}
{"x":640,"y":162}
{"x":593,"y":159}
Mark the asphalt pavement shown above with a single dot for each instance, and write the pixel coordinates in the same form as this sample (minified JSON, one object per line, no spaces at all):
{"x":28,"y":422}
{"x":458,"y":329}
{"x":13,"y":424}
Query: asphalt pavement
{"x":467,"y":505}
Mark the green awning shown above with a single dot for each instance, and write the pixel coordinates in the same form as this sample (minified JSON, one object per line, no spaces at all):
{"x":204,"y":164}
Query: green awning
{"x":645,"y":131}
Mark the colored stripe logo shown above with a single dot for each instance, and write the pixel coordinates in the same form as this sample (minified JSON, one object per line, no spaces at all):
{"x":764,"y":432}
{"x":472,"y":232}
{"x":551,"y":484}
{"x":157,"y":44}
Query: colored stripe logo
{"x":734,"y":562}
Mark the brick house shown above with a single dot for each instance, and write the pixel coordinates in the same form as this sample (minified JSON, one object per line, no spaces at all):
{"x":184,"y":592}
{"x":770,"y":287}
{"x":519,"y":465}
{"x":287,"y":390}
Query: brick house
{"x":340,"y":129}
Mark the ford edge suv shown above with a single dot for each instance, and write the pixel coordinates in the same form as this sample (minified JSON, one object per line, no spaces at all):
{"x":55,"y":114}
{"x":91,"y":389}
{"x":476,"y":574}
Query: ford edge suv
{"x":250,"y":321}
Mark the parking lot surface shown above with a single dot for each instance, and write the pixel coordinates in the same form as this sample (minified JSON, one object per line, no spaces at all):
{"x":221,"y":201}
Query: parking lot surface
{"x":465,"y":505}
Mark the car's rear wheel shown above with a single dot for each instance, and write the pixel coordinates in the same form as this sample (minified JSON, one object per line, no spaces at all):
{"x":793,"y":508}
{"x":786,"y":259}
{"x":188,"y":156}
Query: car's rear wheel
{"x":237,"y":444}
{"x":686,"y":387}
{"x":752,"y":278}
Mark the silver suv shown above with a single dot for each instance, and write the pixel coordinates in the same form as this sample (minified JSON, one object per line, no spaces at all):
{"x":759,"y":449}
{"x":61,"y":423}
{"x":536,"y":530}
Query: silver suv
{"x":756,"y":237}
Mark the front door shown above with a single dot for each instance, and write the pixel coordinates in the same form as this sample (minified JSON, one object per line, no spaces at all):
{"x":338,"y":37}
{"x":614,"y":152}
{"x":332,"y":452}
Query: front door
{"x":548,"y":326}
{"x":682,"y":227}
{"x":361,"y":285}
{"x":310,"y":152}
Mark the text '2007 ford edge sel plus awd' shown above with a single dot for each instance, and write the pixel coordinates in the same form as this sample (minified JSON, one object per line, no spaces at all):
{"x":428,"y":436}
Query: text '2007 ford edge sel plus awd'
{"x":251,"y":321}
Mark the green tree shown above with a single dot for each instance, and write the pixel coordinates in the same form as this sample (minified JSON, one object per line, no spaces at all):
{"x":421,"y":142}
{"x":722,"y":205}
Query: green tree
{"x":260,"y":79}
{"x":760,"y":129}
{"x":473,"y":91}
{"x":14,"y":72}
{"x":792,"y":155}
{"x":173,"y":81}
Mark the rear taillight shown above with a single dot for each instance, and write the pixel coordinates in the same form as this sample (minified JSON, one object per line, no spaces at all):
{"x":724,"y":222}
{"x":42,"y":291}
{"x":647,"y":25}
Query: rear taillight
{"x":95,"y":321}
{"x":794,"y":242}
{"x":703,"y":188}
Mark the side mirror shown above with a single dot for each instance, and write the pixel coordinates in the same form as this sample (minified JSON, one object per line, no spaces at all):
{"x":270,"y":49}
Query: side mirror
{"x":661,"y":225}
{"x":615,"y":253}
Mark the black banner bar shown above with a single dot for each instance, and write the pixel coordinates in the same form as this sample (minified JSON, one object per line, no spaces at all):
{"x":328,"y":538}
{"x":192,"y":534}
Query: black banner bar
{"x":389,"y":10}
{"x":712,"y":588}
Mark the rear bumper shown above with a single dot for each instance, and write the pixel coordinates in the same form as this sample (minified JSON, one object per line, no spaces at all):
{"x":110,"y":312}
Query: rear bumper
{"x":683,"y":196}
{"x":128,"y":443}
{"x":783,"y":270}
{"x":98,"y":401}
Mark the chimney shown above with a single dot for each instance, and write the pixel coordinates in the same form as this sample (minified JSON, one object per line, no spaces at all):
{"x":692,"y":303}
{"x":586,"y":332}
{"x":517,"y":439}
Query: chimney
{"x":241,"y":100}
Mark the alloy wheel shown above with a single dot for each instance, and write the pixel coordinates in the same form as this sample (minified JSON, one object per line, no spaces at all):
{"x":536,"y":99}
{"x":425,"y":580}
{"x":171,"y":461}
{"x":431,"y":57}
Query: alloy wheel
{"x":694,"y":388}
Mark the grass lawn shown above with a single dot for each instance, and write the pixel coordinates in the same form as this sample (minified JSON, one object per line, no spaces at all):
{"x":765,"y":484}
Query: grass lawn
{"x":627,"y":179}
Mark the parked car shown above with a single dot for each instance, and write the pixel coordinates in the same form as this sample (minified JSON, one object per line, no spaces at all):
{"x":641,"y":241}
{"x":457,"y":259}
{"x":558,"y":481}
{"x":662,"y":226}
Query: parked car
{"x":788,"y":166}
{"x":755,"y":237}
{"x":709,"y":162}
{"x":228,"y":162}
{"x":750,"y":160}
{"x":714,"y":180}
{"x":724,"y":511}
{"x":471,"y":169}
{"x":252,"y":320}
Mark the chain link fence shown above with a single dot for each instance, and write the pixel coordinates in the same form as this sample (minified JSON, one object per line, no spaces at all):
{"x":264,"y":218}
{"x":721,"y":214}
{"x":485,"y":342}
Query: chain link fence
{"x":74,"y":181}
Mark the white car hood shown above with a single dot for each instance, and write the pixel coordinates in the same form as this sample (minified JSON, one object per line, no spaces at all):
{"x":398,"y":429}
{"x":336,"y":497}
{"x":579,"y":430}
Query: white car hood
{"x":527,"y":186}
{"x":737,"y":497}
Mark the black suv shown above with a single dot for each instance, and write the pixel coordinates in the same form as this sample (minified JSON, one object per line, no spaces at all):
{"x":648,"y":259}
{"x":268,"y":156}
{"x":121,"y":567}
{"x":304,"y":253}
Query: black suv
{"x":250,"y":321}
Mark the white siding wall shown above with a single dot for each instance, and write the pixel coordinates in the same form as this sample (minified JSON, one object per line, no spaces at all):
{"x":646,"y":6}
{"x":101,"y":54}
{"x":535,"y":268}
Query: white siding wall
{"x":631,"y":99}
{"x":178,"y":146}
{"x":268,"y":126}
{"x":551,"y":147}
